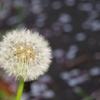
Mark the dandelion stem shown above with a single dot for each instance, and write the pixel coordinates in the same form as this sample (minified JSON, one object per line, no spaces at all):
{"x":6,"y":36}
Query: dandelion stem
{"x":20,"y":89}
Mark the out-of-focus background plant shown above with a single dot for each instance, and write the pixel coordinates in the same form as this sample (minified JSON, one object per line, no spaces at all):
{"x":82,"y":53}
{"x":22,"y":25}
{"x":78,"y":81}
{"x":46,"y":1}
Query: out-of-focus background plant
{"x":73,"y":29}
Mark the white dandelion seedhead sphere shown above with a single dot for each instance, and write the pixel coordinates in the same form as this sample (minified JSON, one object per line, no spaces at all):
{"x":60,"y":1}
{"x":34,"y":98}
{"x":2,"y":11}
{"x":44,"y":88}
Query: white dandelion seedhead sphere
{"x":25,"y":54}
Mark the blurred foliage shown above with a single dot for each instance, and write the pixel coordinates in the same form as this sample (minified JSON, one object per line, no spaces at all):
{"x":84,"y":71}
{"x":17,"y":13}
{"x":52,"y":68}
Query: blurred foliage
{"x":3,"y":96}
{"x":82,"y":93}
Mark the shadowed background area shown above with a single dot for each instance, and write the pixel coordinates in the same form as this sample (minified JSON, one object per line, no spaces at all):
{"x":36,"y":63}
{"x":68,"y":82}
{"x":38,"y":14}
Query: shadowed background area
{"x":73,"y":29}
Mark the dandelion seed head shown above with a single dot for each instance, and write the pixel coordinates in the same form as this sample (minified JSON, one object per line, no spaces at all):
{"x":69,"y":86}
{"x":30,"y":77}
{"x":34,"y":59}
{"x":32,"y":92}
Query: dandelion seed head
{"x":25,"y":54}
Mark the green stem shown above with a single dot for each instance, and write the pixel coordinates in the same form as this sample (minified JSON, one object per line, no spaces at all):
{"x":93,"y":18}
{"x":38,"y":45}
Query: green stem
{"x":20,"y":89}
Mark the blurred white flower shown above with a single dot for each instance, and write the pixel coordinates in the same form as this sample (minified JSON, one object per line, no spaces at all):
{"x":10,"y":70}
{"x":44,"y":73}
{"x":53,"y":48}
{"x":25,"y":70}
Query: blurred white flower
{"x":25,"y":54}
